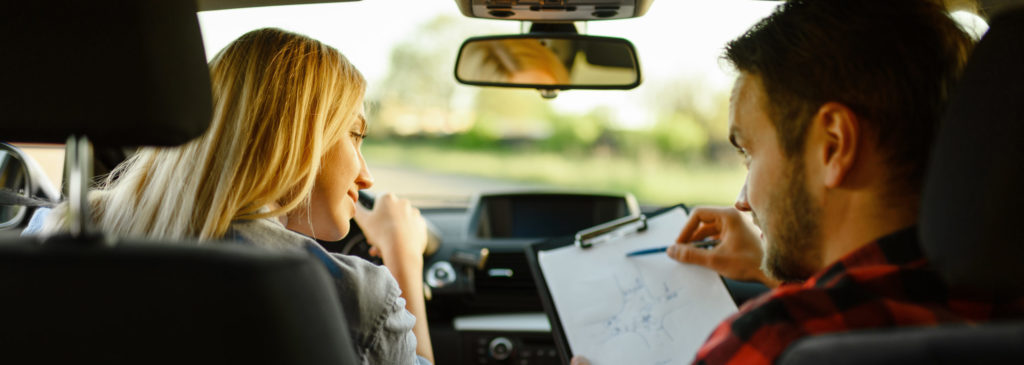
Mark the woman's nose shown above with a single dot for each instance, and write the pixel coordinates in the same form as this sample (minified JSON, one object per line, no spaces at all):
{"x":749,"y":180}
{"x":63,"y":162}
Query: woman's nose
{"x":364,"y":180}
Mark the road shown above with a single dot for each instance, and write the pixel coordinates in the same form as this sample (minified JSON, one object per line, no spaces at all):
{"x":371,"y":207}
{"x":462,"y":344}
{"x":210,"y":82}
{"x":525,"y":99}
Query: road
{"x":433,"y":188}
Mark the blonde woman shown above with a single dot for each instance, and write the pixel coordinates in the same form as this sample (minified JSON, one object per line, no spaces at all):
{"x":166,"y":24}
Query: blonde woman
{"x":281,"y":163}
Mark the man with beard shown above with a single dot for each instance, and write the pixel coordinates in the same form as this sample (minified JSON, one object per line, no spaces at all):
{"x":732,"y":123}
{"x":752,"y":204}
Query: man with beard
{"x":834,"y":112}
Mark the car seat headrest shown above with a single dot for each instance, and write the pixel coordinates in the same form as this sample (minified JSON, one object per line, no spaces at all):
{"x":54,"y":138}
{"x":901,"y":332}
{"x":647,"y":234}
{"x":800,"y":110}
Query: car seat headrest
{"x":121,"y":73}
{"x":971,"y":225}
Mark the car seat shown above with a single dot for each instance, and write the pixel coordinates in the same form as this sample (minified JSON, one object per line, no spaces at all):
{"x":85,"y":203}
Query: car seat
{"x":129,"y":73}
{"x":969,"y":218}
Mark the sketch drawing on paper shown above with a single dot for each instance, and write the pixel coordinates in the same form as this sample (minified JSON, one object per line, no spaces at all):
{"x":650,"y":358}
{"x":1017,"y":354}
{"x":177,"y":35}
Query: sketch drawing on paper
{"x":642,"y":312}
{"x":645,"y":310}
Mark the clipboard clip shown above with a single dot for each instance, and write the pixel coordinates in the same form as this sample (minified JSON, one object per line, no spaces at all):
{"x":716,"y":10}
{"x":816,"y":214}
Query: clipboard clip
{"x":611,"y":230}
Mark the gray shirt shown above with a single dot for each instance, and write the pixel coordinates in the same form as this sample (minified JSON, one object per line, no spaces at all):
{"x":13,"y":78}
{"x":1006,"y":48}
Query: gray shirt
{"x":378,"y":321}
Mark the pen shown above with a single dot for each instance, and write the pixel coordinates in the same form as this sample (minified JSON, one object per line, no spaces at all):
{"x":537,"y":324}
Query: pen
{"x":647,"y":251}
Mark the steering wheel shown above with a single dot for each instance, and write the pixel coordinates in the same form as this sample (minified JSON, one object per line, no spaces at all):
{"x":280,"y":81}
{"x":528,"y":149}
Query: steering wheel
{"x":355,"y":242}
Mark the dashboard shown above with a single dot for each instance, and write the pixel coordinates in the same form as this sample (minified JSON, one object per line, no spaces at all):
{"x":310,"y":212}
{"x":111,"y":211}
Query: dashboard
{"x":483,"y":306}
{"x":482,"y":301}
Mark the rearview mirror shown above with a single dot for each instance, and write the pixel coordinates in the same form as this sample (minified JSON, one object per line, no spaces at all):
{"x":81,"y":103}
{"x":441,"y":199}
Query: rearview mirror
{"x":548,"y":62}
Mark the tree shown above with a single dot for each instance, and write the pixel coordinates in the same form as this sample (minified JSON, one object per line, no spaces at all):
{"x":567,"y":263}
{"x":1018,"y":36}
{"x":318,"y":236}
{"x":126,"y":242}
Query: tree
{"x":418,"y":93}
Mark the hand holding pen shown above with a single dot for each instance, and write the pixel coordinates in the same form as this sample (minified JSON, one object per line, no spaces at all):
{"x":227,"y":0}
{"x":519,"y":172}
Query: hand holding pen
{"x":738,"y":253}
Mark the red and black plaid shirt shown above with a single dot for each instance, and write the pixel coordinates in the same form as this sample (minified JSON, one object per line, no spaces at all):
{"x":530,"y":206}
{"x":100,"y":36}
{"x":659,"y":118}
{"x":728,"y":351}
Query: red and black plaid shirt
{"x":885,"y":283}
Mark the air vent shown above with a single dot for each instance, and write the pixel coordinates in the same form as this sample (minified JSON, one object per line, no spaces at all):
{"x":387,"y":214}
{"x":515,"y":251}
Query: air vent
{"x":506,"y":282}
{"x":505,"y":271}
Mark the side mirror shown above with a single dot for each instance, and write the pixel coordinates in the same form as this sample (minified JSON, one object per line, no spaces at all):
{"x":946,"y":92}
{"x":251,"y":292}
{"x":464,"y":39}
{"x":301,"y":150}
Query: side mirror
{"x":548,"y":62}
{"x":24,"y":188}
{"x":14,"y":187}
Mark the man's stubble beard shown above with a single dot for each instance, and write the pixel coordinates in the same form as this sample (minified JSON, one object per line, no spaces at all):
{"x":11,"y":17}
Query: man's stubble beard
{"x":793,"y":231}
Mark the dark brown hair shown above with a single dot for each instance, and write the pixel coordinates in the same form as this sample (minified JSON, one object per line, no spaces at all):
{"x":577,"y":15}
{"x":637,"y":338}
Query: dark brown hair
{"x":892,"y":62}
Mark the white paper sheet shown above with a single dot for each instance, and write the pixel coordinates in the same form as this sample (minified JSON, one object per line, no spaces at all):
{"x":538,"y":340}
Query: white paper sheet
{"x":642,"y":310}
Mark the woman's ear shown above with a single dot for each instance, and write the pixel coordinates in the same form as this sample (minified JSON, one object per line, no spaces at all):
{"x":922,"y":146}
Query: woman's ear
{"x":841,"y":133}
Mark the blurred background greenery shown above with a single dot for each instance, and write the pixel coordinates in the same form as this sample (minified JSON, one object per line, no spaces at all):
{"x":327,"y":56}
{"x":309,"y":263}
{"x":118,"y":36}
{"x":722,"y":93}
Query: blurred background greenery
{"x":421,"y":119}
{"x":438,"y":142}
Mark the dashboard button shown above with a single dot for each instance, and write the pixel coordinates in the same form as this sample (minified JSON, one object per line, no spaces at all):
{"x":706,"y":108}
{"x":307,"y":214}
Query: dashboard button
{"x":440,"y":274}
{"x":500,"y":348}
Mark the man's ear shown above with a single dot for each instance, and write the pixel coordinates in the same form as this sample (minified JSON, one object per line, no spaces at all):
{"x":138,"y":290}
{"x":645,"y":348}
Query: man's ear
{"x":841,"y":130}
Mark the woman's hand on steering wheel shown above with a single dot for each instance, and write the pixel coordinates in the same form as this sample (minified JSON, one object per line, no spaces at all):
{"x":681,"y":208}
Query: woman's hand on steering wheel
{"x":393,"y":228}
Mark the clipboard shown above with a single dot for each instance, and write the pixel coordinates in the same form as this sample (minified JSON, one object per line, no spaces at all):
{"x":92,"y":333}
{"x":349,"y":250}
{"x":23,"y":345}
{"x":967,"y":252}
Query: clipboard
{"x":605,"y":234}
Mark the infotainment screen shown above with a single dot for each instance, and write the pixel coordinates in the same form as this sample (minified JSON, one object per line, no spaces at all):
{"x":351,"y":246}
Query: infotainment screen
{"x":545,"y":215}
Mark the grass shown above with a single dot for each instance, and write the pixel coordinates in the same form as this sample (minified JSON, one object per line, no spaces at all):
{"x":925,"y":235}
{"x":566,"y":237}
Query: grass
{"x":653,"y":180}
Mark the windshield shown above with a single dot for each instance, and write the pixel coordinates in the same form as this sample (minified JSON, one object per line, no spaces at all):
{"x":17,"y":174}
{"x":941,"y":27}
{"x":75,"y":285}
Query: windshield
{"x":437,"y":142}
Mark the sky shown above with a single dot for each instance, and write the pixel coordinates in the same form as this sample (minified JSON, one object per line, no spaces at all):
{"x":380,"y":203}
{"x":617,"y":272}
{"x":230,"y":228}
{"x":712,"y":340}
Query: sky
{"x":676,"y":38}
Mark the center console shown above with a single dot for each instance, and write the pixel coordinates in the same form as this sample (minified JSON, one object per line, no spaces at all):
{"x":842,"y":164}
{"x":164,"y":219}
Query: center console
{"x":484,"y":306}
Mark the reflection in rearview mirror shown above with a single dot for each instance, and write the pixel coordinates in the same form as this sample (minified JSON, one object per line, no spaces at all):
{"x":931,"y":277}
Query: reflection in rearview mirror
{"x":549,"y":62}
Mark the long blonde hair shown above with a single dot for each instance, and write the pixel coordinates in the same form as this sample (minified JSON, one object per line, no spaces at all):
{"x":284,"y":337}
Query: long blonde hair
{"x":280,"y":101}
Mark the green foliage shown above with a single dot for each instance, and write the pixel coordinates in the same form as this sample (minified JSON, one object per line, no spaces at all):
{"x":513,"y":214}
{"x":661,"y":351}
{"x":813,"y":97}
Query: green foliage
{"x":577,"y":134}
{"x":422,"y":118}
{"x":653,"y":181}
{"x":680,"y":134}
{"x":419,"y":98}
{"x":419,"y":95}
{"x":420,"y":73}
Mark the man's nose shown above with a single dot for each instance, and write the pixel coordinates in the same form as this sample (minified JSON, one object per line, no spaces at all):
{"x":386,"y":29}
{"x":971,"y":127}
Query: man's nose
{"x":741,"y":201}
